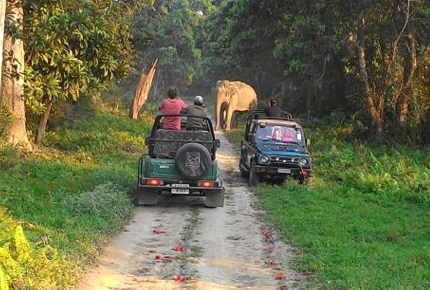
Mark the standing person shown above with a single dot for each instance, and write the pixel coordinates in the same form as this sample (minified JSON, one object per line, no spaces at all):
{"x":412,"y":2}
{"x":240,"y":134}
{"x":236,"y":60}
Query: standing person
{"x":173,"y":105}
{"x":199,"y":110}
{"x":273,"y":110}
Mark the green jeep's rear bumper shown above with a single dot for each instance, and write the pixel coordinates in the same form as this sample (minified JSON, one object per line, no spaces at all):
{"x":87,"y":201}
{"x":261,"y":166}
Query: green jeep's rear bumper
{"x":195,"y":187}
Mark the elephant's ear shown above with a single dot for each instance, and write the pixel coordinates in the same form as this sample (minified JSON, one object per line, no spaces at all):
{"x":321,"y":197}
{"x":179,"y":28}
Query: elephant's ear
{"x":231,"y":90}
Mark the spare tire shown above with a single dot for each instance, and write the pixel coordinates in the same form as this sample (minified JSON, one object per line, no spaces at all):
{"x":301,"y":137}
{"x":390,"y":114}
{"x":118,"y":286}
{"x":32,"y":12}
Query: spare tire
{"x":192,"y":161}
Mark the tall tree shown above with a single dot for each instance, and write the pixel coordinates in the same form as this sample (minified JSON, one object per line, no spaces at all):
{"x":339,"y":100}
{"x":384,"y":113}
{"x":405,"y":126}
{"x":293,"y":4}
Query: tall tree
{"x":167,"y":31}
{"x":13,"y":84}
{"x":73,"y":48}
{"x":2,"y":21}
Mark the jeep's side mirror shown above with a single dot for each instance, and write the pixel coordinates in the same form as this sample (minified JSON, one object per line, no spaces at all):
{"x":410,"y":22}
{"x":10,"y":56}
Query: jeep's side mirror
{"x":308,"y":142}
{"x":147,"y":141}
{"x":217,"y":143}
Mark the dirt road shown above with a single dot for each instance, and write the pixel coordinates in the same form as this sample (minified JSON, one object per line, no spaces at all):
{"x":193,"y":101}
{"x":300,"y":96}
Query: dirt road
{"x":180,"y":244}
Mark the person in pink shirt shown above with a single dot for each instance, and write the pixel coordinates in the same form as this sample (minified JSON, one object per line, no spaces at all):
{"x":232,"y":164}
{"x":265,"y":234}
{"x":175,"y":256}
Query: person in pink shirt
{"x":173,"y":105}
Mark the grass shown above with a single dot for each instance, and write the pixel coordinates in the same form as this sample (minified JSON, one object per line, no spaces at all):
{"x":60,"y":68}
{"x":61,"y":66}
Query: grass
{"x":364,"y":222}
{"x":236,"y":135}
{"x":72,"y":195}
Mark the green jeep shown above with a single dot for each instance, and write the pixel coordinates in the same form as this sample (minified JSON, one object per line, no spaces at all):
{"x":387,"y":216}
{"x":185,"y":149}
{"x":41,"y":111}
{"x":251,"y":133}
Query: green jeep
{"x":181,"y":163}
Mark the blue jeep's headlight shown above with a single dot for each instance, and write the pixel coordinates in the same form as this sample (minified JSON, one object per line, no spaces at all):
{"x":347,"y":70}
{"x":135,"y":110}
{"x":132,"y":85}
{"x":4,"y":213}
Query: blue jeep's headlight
{"x":265,"y":159}
{"x":303,"y":162}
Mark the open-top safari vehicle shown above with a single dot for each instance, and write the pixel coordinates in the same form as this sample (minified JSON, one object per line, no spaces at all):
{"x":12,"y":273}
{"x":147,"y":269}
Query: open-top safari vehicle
{"x":181,"y":163}
{"x":275,"y":149}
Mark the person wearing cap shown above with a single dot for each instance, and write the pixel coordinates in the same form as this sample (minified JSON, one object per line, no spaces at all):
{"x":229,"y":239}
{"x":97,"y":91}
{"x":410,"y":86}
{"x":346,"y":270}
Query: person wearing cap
{"x":199,"y":110}
{"x":173,"y":105}
{"x":273,"y":110}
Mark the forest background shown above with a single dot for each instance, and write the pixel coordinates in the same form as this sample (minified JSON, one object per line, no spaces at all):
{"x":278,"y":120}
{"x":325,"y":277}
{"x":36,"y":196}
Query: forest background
{"x":356,"y":72}
{"x":366,"y":62}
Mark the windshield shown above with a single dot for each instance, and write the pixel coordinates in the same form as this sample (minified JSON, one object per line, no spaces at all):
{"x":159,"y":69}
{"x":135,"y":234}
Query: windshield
{"x":280,"y":133}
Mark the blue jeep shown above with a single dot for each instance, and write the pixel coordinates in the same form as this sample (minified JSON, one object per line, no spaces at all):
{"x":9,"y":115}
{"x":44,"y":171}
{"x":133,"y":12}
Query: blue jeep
{"x":274,"y":149}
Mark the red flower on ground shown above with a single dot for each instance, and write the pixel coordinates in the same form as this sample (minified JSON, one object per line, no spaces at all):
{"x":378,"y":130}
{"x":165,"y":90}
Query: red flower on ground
{"x":180,"y":249}
{"x":271,"y":263}
{"x":180,"y":278}
{"x":280,"y":276}
{"x":157,"y":232}
{"x":158,"y":257}
{"x":265,"y":234}
{"x":285,"y":287}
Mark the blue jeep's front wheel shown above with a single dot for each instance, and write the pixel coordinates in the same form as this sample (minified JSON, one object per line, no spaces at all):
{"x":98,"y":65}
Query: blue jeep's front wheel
{"x":243,"y":172}
{"x":254,"y":177}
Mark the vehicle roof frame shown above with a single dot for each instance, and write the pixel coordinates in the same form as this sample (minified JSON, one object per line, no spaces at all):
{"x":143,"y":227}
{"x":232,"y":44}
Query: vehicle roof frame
{"x":156,"y":126}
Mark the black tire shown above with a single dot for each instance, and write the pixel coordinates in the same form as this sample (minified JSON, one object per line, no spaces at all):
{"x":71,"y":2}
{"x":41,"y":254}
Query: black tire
{"x":193,"y":161}
{"x":254,"y":177}
{"x":243,"y":172}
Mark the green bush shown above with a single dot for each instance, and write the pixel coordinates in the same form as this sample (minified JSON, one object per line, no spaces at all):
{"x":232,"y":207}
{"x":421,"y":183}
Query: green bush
{"x":24,"y":265}
{"x":107,"y":203}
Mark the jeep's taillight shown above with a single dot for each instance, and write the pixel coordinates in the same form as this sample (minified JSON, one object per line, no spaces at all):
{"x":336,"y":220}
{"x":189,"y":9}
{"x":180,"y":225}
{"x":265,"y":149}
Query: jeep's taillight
{"x":154,"y":182}
{"x":206,"y":184}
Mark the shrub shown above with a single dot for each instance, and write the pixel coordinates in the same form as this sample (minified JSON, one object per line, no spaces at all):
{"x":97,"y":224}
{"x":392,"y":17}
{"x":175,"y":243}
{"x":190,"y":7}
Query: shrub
{"x":23,"y":265}
{"x":106,"y":203}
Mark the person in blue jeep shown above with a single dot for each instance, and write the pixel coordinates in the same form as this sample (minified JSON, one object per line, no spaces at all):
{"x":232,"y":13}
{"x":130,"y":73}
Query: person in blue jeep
{"x":272,"y":110}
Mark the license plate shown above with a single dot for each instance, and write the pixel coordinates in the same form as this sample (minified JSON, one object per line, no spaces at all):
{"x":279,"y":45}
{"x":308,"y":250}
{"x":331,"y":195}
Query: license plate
{"x":284,"y":170}
{"x":181,"y":185}
{"x":180,"y":191}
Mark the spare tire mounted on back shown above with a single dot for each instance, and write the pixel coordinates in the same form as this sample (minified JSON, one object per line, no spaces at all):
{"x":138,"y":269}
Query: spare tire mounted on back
{"x":192,"y":161}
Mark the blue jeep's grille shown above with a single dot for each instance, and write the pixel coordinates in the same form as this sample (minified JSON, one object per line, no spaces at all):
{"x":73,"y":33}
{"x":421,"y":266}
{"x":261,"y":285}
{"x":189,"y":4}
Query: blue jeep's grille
{"x":284,"y":160}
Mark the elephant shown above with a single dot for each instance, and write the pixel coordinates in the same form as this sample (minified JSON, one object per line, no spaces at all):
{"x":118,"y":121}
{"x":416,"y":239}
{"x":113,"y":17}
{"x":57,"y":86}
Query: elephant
{"x":232,"y":97}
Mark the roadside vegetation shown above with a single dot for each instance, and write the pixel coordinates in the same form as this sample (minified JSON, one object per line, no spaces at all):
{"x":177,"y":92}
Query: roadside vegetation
{"x":236,"y":135}
{"x":363,"y":224}
{"x":60,"y":204}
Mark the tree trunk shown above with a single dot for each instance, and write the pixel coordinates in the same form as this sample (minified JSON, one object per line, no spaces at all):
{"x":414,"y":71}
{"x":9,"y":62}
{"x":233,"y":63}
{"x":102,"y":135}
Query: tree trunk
{"x":142,"y":92}
{"x":375,"y":107}
{"x":13,"y":84}
{"x":408,"y":77}
{"x":2,"y":20}
{"x":43,"y":121}
{"x":155,"y":92}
